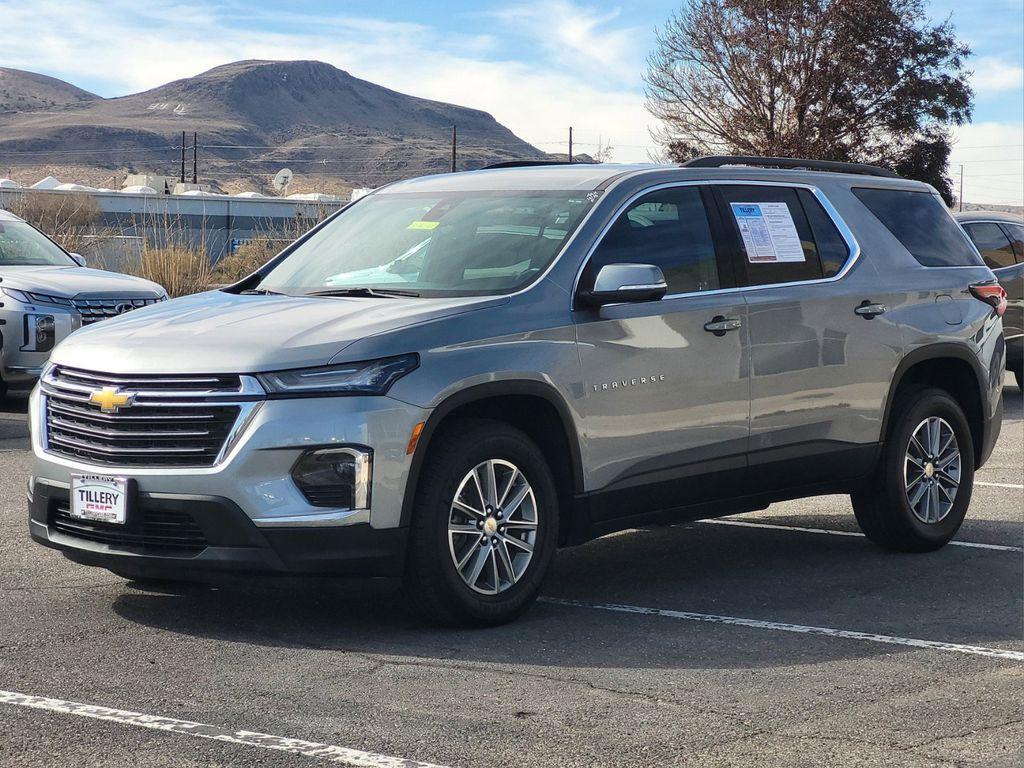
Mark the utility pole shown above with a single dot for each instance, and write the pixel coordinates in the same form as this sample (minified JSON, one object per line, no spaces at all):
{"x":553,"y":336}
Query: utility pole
{"x":182,"y":177}
{"x":960,"y":201}
{"x":195,"y":158}
{"x":570,"y":145}
{"x":454,"y":144}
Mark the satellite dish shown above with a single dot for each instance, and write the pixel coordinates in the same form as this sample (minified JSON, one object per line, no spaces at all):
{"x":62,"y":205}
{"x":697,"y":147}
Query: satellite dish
{"x":282,"y":180}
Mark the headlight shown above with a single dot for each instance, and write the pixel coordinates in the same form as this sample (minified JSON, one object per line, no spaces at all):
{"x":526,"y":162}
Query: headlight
{"x":367,"y":378}
{"x":28,"y":297}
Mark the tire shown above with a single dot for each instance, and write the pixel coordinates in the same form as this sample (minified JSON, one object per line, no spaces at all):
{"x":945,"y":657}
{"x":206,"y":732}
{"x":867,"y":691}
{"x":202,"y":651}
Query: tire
{"x":435,"y":586}
{"x":1018,"y":374}
{"x":883,"y":508}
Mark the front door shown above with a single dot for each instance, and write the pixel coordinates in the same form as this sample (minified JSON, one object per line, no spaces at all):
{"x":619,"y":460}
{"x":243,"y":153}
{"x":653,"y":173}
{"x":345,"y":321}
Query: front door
{"x":665,"y":414}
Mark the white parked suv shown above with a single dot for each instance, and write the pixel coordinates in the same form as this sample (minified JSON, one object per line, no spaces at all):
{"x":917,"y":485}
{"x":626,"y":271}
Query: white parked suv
{"x":46,"y":293}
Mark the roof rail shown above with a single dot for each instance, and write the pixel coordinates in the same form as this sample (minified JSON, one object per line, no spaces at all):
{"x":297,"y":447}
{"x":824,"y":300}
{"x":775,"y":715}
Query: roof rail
{"x":525,"y":164}
{"x":796,"y":163}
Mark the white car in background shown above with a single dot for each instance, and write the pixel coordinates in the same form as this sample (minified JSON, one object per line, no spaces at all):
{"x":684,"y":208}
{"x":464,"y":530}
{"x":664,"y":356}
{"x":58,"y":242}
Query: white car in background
{"x":46,"y":293}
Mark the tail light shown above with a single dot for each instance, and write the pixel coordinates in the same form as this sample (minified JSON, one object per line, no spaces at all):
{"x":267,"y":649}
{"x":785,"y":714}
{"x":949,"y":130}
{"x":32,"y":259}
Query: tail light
{"x":991,"y":293}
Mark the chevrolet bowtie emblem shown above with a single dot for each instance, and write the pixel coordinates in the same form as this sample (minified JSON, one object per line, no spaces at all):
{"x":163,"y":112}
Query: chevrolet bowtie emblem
{"x":111,"y":399}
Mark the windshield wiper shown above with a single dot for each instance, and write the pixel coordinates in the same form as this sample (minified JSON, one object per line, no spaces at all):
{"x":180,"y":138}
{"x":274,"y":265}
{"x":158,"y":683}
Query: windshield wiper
{"x":371,"y":293}
{"x":259,"y":292}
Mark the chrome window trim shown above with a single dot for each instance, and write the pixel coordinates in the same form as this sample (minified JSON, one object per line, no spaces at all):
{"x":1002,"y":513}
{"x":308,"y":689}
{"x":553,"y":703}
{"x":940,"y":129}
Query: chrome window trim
{"x":844,"y":231}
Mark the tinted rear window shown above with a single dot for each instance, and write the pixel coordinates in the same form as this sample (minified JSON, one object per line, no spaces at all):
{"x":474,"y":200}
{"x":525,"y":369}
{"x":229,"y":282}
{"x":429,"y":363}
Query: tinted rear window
{"x":920,"y":222}
{"x":992,"y":242}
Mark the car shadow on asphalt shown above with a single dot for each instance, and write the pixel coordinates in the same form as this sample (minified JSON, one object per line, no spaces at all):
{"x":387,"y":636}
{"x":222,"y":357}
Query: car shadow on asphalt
{"x":1013,"y":402}
{"x":839,"y":582}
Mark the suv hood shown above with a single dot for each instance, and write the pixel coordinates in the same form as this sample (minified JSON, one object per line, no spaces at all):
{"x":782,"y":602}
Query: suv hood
{"x":71,"y":281}
{"x":218,"y":332}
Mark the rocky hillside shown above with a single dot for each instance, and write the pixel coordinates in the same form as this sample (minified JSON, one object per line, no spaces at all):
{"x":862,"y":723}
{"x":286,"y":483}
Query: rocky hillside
{"x":254,"y":117}
{"x":28,"y":92}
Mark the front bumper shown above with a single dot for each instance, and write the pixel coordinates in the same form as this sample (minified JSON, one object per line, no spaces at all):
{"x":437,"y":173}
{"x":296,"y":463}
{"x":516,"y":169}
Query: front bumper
{"x":251,"y":514}
{"x":223,"y":540}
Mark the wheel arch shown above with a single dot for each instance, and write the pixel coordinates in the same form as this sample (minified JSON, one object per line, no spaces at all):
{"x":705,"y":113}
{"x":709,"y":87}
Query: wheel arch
{"x":515,"y":403}
{"x":954,"y":369}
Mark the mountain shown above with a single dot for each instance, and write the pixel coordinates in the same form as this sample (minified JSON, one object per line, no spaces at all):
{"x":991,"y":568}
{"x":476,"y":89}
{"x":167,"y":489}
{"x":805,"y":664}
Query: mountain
{"x":26,"y":91}
{"x":254,"y":117}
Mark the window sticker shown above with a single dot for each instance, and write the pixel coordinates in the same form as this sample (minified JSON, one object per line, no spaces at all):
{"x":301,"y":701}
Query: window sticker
{"x":768,"y":232}
{"x":423,"y":225}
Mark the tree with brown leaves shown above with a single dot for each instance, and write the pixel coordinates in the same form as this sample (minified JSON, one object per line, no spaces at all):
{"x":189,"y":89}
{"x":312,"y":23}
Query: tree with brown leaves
{"x":853,"y":80}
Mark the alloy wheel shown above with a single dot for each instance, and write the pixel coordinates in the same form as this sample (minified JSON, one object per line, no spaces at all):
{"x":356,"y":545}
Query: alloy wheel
{"x":931,"y":470}
{"x":492,"y":526}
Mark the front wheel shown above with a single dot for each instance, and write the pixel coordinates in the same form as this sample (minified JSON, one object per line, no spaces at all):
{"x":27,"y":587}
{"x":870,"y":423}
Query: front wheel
{"x":921,"y":490}
{"x":484,"y":527}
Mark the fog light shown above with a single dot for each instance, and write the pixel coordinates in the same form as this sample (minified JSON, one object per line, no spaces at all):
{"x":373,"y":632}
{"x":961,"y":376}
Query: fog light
{"x":335,"y":477}
{"x":40,"y":333}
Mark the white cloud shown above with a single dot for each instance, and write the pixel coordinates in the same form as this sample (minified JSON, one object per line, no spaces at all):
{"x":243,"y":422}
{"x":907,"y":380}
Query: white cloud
{"x":992,"y":156}
{"x":993,"y":75}
{"x":578,"y":37}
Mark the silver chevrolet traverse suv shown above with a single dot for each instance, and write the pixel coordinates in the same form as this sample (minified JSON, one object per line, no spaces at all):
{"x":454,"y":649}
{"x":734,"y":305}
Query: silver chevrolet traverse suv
{"x":457,"y":374}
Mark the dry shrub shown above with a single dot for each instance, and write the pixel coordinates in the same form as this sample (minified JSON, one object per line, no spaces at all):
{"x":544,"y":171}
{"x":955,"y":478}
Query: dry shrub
{"x":247,"y":259}
{"x":179,"y":269}
{"x":67,"y":218}
{"x":254,"y":253}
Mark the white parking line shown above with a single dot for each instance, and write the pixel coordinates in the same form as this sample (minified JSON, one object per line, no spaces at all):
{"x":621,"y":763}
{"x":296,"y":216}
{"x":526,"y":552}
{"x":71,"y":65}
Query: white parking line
{"x":974,"y":650}
{"x":1000,"y":485}
{"x":771,"y":527}
{"x":342,"y":755}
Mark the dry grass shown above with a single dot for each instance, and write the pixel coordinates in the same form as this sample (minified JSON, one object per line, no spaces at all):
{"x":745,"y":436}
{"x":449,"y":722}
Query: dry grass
{"x":68,"y":218}
{"x":165,"y":250}
{"x":248,"y":258}
{"x":178,"y":269}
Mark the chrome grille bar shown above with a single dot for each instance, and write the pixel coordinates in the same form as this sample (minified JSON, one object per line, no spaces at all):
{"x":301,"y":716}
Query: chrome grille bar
{"x":169,"y":421}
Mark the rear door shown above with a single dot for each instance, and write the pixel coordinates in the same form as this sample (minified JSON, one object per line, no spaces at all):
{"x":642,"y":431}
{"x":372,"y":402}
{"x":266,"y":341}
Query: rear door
{"x":822,"y":351}
{"x":666,"y":403}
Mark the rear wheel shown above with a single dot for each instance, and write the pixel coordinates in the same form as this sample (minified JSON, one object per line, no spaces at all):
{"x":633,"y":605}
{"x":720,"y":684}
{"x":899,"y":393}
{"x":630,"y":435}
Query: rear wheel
{"x":484,"y":526}
{"x":919,"y":496}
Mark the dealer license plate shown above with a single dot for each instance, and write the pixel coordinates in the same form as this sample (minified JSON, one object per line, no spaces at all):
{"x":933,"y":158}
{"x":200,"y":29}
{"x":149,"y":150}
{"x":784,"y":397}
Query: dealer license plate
{"x":100,"y":498}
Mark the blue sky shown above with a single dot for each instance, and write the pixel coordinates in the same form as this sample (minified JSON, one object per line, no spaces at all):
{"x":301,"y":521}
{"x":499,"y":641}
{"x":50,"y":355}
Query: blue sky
{"x":537,"y":67}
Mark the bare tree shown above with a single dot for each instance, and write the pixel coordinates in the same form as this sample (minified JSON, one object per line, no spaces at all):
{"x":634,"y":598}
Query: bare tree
{"x":859,"y":80}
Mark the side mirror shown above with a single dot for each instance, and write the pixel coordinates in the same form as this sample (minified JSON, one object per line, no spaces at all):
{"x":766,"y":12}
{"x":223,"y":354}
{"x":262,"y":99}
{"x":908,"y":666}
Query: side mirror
{"x":79,"y":259}
{"x":624,"y":283}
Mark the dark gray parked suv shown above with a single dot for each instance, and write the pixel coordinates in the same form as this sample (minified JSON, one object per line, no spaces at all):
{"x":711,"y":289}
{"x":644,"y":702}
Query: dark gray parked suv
{"x":999,"y":238}
{"x":458,"y":374}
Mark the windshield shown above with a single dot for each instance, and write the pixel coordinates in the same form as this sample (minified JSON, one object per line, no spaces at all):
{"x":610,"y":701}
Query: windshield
{"x":23,"y":246}
{"x":442,"y":244}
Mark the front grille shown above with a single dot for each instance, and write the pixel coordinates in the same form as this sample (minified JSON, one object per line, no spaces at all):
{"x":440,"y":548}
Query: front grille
{"x":93,"y":309}
{"x":162,"y":531}
{"x":173,"y":421}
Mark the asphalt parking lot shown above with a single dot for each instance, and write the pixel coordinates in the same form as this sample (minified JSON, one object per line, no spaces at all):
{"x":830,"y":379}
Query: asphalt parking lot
{"x":775,"y":638}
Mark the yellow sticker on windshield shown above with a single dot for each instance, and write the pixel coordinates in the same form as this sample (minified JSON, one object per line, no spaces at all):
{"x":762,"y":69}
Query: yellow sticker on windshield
{"x":423,"y":225}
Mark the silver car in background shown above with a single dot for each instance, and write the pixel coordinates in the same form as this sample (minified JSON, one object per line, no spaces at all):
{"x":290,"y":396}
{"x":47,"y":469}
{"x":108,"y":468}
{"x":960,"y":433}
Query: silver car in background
{"x":46,"y":293}
{"x":999,"y":238}
{"x":457,"y":374}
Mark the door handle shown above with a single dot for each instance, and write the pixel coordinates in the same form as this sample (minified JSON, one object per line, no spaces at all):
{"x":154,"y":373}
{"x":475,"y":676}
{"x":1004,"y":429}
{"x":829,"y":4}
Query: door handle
{"x":720,"y":325}
{"x":867,"y":310}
